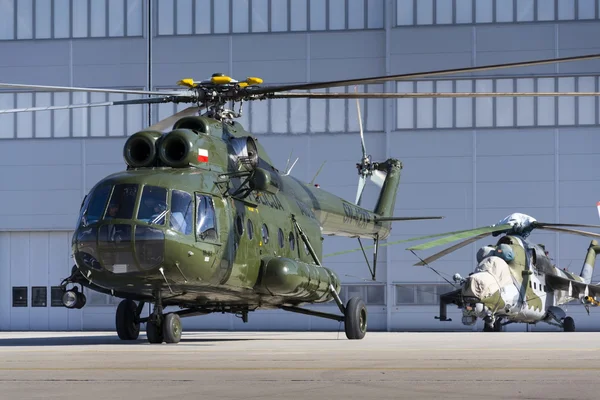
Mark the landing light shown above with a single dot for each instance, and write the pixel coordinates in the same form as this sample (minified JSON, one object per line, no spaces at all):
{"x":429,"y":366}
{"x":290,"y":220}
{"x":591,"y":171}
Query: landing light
{"x":69,"y":299}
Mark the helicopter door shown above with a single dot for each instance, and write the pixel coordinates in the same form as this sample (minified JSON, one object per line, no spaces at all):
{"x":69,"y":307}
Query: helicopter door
{"x":211,"y":230}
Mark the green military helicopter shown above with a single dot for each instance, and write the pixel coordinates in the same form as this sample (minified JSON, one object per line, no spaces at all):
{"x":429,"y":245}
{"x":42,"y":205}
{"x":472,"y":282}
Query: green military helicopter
{"x":516,"y":280}
{"x":202,"y":219}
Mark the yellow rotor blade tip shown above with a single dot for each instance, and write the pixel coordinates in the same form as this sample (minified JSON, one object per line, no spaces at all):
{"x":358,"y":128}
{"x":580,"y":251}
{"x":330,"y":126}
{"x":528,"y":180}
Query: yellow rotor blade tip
{"x":189,"y":82}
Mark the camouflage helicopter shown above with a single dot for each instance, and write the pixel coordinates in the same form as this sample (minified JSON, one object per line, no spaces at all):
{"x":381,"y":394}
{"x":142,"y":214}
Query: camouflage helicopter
{"x":202,"y":220}
{"x":516,"y":280}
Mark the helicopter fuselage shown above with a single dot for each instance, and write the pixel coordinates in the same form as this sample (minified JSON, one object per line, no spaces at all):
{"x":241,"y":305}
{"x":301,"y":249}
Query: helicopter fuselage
{"x":187,"y":233}
{"x":529,"y":288}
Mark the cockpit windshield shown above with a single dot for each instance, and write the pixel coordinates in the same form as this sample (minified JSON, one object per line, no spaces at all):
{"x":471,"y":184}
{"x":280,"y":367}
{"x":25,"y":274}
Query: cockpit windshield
{"x":153,"y":205}
{"x":94,"y":204}
{"x":122,"y":201}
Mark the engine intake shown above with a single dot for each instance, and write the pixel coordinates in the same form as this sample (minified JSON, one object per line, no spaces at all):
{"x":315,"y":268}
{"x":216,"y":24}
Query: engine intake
{"x":181,"y":148}
{"x":140,"y":149}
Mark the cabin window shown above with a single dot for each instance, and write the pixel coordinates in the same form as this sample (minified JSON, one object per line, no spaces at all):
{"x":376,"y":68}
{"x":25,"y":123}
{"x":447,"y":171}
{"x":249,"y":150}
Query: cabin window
{"x":250,"y":229}
{"x":281,"y":238}
{"x":534,"y":285}
{"x":153,"y":205}
{"x":205,"y":222}
{"x":265,"y":234}
{"x":292,"y":241}
{"x":182,"y":212}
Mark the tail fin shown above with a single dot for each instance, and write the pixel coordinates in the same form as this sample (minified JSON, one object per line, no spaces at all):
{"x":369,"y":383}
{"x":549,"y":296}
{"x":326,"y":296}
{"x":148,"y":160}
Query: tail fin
{"x":389,"y":190}
{"x":588,"y":265}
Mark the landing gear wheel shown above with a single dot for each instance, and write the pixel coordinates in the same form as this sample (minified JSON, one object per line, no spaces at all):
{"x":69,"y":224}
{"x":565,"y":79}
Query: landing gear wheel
{"x":569,"y":325}
{"x":498,"y":325}
{"x":154,"y":332}
{"x":355,"y":318}
{"x":488,"y":325}
{"x":171,"y":328}
{"x":127,"y":327}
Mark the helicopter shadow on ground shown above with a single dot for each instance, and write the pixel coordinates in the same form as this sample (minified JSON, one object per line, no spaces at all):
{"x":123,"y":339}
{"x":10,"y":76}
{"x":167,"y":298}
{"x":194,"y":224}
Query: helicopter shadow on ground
{"x":100,"y":340}
{"x":114,"y":340}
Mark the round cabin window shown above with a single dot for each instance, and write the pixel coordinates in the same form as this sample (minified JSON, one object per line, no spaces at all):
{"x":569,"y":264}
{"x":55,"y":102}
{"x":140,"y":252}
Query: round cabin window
{"x":265,"y":234}
{"x":250,"y":229}
{"x":292,"y":241}
{"x":281,"y":238}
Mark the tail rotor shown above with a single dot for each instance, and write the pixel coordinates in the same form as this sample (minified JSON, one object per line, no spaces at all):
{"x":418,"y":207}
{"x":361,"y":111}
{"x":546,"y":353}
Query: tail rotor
{"x":366,"y":168}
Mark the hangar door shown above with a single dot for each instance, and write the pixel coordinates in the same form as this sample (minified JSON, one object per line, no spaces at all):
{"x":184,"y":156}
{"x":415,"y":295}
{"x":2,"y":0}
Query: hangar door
{"x":32,"y":265}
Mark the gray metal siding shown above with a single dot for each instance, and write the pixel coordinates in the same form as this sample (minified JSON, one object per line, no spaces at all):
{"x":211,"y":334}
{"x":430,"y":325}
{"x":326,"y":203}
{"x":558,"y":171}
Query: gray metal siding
{"x":472,"y":161}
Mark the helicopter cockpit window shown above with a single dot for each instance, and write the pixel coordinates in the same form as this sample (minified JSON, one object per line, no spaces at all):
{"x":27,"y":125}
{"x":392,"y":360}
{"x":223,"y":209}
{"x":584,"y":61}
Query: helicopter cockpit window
{"x":182,"y":212}
{"x":96,"y":202}
{"x":205,"y":224}
{"x":122,"y":201}
{"x":153,"y":205}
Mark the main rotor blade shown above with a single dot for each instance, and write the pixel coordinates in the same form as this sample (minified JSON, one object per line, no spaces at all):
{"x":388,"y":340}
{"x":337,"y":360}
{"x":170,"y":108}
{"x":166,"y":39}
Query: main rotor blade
{"x":386,"y":78}
{"x":449,"y":250}
{"x":461,"y":235}
{"x":89,"y":105}
{"x":427,"y":95}
{"x":542,"y":224}
{"x":167,"y":123}
{"x":573,"y":231}
{"x":402,"y":240}
{"x":405,"y":218}
{"x":44,"y":88}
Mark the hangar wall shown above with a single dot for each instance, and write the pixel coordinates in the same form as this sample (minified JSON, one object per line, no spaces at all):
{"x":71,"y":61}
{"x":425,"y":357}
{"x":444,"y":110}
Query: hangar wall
{"x":472,"y":160}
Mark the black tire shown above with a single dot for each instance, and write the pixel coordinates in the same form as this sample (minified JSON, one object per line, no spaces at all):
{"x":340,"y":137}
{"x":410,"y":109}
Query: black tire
{"x":498,"y":325}
{"x":355,"y":319}
{"x":172,"y":328}
{"x":154,"y":332}
{"x":81,"y":300}
{"x":569,"y":324}
{"x":127,"y":327}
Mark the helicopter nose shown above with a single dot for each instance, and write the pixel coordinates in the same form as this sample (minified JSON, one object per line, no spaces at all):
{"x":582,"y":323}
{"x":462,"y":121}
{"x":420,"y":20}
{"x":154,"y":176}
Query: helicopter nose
{"x":479,"y":286}
{"x":119,"y":248}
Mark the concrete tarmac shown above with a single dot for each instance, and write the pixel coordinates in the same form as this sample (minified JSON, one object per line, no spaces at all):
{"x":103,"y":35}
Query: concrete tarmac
{"x":306,"y":365}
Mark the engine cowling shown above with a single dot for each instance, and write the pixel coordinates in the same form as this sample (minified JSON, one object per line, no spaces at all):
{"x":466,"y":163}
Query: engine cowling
{"x":182,"y":148}
{"x":140,"y":149}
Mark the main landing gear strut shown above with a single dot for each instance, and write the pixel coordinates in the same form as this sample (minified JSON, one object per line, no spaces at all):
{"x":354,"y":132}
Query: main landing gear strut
{"x":354,"y":315}
{"x":159,"y":327}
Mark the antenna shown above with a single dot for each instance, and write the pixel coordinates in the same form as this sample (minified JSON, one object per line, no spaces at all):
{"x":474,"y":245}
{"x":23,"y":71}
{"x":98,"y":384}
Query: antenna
{"x":287,"y":164}
{"x":290,"y":170}
{"x":318,"y":172}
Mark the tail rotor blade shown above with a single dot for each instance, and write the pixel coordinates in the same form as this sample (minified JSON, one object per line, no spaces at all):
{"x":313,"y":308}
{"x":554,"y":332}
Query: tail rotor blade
{"x":378,"y":178}
{"x":360,"y":127}
{"x":362,"y":181}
